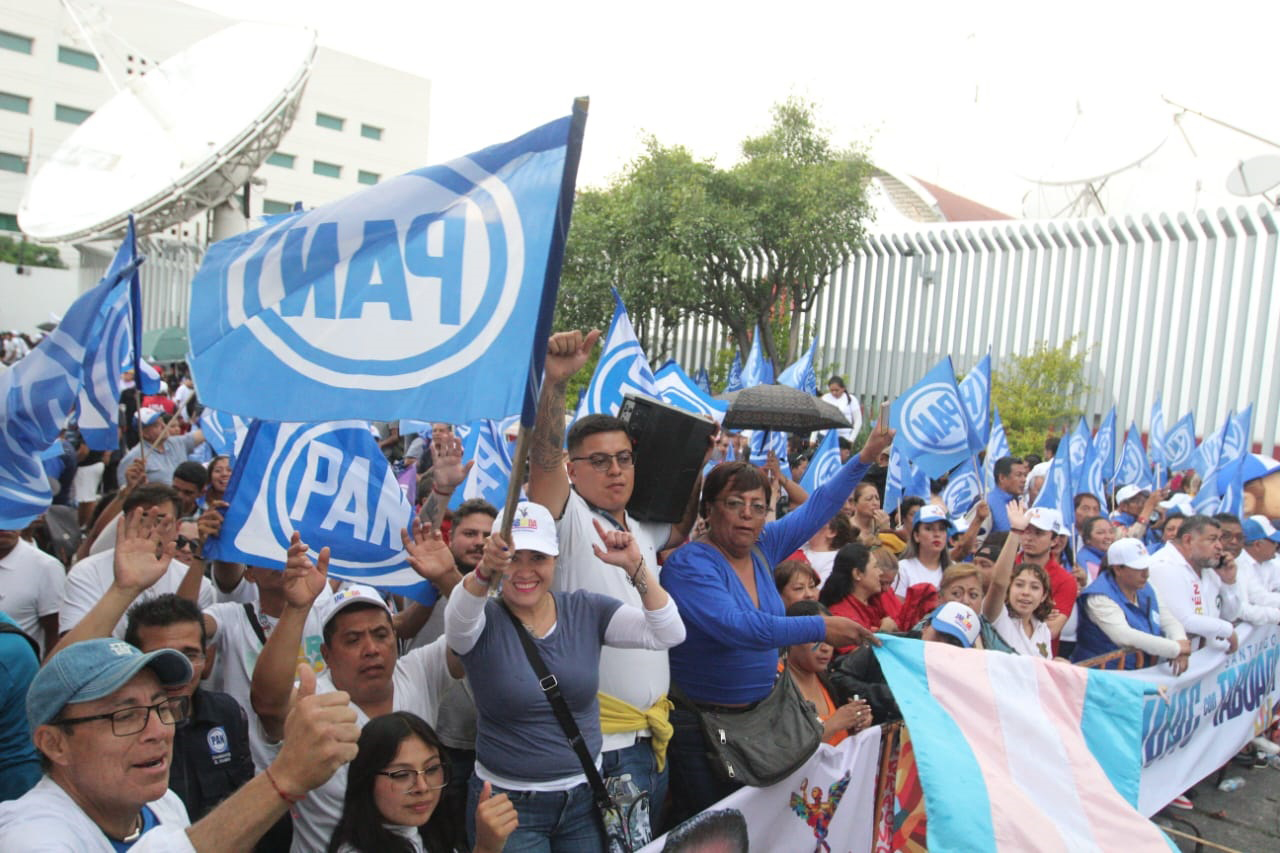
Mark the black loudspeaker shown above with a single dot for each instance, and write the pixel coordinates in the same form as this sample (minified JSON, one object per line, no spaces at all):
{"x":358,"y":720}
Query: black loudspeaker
{"x":670,"y":445}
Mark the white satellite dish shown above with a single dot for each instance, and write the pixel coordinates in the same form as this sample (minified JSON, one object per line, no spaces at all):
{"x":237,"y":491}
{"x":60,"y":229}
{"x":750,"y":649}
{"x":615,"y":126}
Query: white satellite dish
{"x":1254,"y":176}
{"x":1095,"y":141}
{"x":181,"y":139}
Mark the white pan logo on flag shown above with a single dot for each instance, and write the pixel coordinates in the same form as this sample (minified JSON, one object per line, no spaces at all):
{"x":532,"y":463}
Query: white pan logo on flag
{"x":931,"y":418}
{"x":453,"y":273}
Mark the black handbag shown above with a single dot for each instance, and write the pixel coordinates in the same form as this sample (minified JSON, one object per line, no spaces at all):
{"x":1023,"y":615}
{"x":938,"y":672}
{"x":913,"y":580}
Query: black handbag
{"x":625,"y":819}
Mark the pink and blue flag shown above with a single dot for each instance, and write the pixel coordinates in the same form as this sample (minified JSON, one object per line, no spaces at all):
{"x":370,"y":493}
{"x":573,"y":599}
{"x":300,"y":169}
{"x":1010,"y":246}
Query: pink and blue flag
{"x":1018,"y":753}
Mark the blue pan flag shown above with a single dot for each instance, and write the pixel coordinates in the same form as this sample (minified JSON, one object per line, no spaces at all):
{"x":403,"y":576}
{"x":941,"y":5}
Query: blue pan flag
{"x":703,"y":381}
{"x":426,"y":296}
{"x":1180,"y":443}
{"x":487,"y":447}
{"x":931,"y":423}
{"x":1104,"y":441}
{"x":776,"y":442}
{"x":623,"y":368}
{"x":1058,"y":491}
{"x":676,"y":389}
{"x":997,"y":448}
{"x":824,"y":463}
{"x":41,"y":392}
{"x":1133,"y":469}
{"x":963,"y":489}
{"x":800,"y":375}
{"x":735,"y":374}
{"x":1156,"y":435}
{"x":903,"y":480}
{"x":975,"y":393}
{"x":331,"y":484}
{"x":99,"y":403}
{"x":225,"y":433}
{"x":757,"y":370}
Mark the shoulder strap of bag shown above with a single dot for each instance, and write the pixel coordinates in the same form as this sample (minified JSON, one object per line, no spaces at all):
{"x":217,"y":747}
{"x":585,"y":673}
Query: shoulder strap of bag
{"x":551,"y":689}
{"x":254,"y":623}
{"x":8,"y":628}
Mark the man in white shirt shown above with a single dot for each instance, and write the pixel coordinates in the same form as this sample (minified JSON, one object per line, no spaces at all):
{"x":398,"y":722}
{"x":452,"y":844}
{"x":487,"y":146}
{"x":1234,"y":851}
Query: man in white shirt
{"x":1259,"y":553}
{"x":163,"y":452}
{"x":103,"y":721}
{"x":594,"y":485}
{"x":1185,"y":589}
{"x":847,"y":404}
{"x":360,"y":649}
{"x":31,"y":584}
{"x":90,"y":578}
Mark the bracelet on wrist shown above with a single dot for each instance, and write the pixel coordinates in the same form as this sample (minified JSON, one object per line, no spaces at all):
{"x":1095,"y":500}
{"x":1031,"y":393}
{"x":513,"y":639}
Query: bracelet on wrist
{"x":447,"y":494}
{"x":481,"y":576}
{"x":288,"y":798}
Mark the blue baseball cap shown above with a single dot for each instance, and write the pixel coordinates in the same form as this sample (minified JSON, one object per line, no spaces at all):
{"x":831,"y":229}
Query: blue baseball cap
{"x":96,"y":668}
{"x":1259,"y":527}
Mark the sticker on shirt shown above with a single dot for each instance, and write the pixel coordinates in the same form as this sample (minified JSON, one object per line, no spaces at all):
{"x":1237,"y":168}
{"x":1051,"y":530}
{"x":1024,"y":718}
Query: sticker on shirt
{"x":1196,"y":598}
{"x":219,"y":748}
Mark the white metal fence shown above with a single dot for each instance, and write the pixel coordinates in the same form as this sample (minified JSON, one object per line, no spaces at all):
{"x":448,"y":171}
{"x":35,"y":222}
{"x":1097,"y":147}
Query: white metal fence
{"x":1175,"y":306}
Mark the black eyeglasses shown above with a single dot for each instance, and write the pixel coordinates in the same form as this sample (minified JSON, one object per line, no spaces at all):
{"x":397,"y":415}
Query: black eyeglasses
{"x":130,"y":721}
{"x":183,"y":542}
{"x":604,"y":461}
{"x":435,"y":777}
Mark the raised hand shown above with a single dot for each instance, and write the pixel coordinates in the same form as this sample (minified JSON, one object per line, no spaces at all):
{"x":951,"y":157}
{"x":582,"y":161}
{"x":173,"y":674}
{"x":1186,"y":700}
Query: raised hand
{"x":320,"y":735}
{"x":497,"y":556}
{"x":879,"y":439}
{"x":620,"y":548}
{"x":1017,"y":515}
{"x":428,"y":554}
{"x":210,"y":521}
{"x":567,"y":352}
{"x":447,"y":470}
{"x":143,"y":550}
{"x":496,"y":819}
{"x":135,"y":475}
{"x":303,"y":579}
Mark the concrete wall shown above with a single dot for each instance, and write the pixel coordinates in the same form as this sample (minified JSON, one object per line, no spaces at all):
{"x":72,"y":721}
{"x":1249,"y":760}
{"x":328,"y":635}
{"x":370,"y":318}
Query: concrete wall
{"x":27,"y":299}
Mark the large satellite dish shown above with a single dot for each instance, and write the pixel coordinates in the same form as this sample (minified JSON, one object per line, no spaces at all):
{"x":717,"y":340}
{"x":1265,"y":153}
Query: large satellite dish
{"x":1254,"y":176}
{"x":179,"y":140}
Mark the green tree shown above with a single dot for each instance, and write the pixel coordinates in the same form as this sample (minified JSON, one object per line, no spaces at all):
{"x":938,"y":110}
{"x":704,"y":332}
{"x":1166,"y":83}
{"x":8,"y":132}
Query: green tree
{"x":1041,"y":391}
{"x":22,"y":253}
{"x":751,"y":246}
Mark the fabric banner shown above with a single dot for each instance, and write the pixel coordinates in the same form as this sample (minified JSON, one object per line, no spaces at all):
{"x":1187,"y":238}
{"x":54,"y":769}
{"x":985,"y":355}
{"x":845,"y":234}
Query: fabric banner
{"x":331,"y":484}
{"x":426,"y":296}
{"x":676,"y":389}
{"x":1203,"y":717}
{"x":826,"y":805}
{"x":931,"y":423}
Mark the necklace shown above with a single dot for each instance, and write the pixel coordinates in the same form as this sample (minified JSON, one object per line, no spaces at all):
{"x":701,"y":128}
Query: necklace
{"x":137,"y":830}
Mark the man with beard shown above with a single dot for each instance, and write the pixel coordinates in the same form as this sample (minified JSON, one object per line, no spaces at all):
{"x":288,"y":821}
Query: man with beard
{"x":1186,"y":589}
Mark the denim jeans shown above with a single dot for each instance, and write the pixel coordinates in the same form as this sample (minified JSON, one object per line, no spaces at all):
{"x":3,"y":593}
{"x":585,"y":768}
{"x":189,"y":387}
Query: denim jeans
{"x":638,"y":760}
{"x":695,"y":785}
{"x":550,"y":821}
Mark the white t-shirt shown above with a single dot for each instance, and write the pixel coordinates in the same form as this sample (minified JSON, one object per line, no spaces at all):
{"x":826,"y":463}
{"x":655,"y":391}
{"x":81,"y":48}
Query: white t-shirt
{"x":45,"y":818}
{"x":639,"y":677}
{"x":1191,"y":596}
{"x":911,"y":572}
{"x":1039,"y":644}
{"x":420,"y":678}
{"x":31,"y":584}
{"x":90,"y":578}
{"x":822,"y":563}
{"x":851,"y":409}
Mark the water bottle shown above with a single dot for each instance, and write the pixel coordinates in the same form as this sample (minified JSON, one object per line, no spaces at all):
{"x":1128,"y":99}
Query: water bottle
{"x":1235,"y":783}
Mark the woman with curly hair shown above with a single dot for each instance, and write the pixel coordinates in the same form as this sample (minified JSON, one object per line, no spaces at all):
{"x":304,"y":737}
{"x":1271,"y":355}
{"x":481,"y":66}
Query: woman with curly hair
{"x":1020,"y":599}
{"x":796,"y":580}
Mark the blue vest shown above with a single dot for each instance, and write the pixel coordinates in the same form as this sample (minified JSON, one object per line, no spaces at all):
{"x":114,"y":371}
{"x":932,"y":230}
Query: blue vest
{"x":1091,"y":641}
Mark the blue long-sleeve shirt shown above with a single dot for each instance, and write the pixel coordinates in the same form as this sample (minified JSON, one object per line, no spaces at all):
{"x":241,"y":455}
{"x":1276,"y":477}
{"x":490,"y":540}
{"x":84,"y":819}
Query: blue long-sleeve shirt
{"x":730,"y":652}
{"x":998,"y":502}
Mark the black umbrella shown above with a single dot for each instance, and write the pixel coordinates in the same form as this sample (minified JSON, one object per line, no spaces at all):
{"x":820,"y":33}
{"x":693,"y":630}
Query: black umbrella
{"x":46,"y":326}
{"x":780,"y":407}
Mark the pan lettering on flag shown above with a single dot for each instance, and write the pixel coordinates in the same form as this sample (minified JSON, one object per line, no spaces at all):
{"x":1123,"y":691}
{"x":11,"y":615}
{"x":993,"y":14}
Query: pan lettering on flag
{"x":331,"y":484}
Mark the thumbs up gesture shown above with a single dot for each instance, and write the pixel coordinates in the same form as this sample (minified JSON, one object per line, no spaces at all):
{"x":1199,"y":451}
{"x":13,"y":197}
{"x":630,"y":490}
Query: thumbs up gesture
{"x":496,"y":819}
{"x":320,"y":736}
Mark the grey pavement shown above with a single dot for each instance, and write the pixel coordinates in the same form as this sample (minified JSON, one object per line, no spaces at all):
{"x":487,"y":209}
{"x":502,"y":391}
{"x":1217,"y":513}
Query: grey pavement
{"x":1247,"y":819}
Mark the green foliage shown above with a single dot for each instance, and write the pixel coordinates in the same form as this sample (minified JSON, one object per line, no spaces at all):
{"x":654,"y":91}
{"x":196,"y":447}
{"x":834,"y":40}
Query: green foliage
{"x":29,"y":254}
{"x":746,"y":246}
{"x":1038,"y":392}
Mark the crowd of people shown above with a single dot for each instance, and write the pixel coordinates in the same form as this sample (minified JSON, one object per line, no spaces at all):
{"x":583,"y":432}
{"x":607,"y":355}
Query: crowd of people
{"x":155,"y":700}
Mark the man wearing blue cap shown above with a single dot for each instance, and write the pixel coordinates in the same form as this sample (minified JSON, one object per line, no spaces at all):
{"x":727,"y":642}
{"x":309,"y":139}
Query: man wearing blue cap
{"x":103,"y":722}
{"x":1256,"y":563}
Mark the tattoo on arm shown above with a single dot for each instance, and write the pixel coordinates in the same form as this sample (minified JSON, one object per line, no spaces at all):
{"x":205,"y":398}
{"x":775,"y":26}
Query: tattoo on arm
{"x":548,"y":428}
{"x":432,"y":510}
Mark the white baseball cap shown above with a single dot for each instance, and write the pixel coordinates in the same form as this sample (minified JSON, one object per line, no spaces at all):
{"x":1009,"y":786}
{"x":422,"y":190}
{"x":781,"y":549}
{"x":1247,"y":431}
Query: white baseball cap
{"x":1046,"y":519}
{"x":1129,"y":552}
{"x":532,"y":529}
{"x":351,"y":595}
{"x":1129,"y":492}
{"x":958,"y":620}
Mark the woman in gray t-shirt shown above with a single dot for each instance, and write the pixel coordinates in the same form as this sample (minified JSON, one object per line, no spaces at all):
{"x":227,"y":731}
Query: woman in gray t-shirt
{"x":521,"y":750}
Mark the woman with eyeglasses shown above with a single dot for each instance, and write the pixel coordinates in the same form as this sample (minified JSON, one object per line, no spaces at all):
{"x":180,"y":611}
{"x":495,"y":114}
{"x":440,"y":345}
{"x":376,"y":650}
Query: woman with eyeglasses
{"x":393,"y":788}
{"x":734,"y":617}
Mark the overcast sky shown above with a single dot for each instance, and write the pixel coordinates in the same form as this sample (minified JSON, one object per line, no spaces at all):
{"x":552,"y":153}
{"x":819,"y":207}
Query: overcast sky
{"x":977,"y":97}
